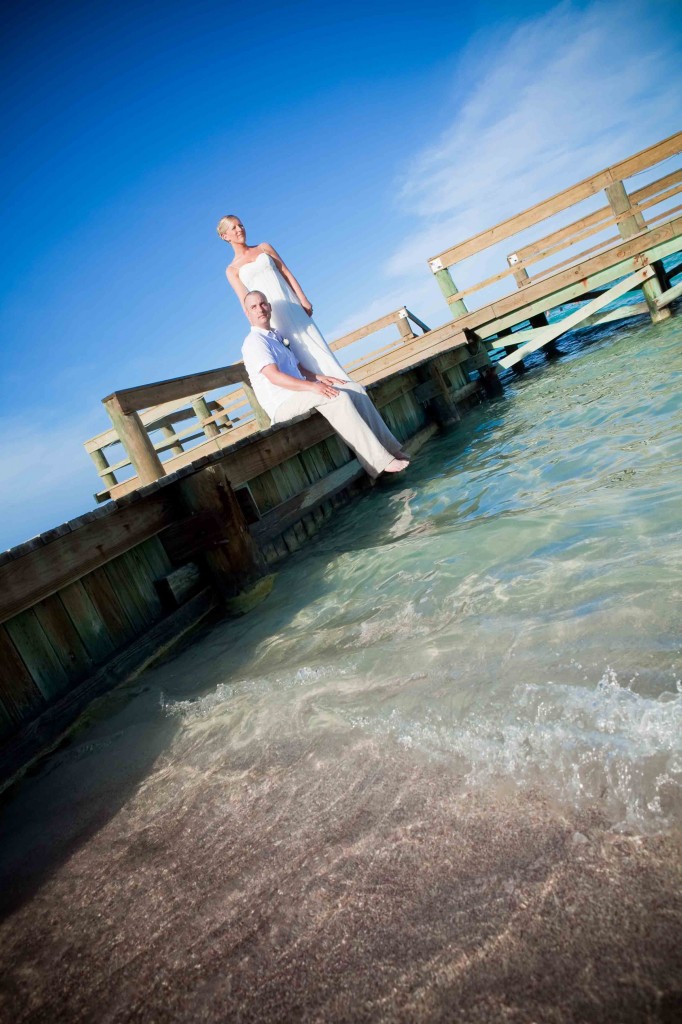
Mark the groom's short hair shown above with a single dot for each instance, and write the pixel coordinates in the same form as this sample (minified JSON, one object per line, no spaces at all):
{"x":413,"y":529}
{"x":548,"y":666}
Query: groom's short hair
{"x":254,"y":291}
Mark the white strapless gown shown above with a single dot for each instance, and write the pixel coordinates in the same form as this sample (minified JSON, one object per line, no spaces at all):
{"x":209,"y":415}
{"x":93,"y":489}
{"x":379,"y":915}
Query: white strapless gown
{"x":290,"y":318}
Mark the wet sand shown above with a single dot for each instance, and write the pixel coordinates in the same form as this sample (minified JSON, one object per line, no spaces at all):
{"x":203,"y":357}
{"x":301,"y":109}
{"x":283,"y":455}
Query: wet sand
{"x":361,"y":884}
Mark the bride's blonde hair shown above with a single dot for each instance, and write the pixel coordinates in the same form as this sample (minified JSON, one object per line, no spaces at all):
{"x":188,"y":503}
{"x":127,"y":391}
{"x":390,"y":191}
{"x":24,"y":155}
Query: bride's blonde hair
{"x":222,"y":223}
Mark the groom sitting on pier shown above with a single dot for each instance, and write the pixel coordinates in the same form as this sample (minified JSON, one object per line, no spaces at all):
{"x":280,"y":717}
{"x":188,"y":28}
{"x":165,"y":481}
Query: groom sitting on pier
{"x":287,"y":389}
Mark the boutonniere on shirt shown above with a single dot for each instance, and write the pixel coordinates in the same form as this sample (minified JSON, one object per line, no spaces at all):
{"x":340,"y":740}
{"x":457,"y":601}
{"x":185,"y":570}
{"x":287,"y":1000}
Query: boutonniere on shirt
{"x":285,"y":342}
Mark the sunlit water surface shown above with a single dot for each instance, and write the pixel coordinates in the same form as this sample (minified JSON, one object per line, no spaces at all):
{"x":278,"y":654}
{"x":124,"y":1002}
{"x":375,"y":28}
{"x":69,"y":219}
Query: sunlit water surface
{"x":412,"y":765}
{"x":509,"y":607}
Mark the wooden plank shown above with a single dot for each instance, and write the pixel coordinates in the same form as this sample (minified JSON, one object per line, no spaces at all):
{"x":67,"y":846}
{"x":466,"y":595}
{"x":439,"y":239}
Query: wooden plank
{"x":571,"y":234}
{"x":555,"y":330}
{"x":291,"y":511}
{"x":666,"y":297}
{"x":127,"y":578}
{"x":276,"y":446}
{"x":385,"y":391}
{"x":179,"y":585}
{"x":37,"y":653}
{"x":264,"y":491}
{"x":369,"y":356}
{"x":610,"y":316}
{"x":130,"y":400}
{"x":109,"y":607}
{"x":290,"y":477}
{"x":441,"y":340}
{"x":561,"y":200}
{"x":19,"y":695}
{"x":88,"y":622}
{"x":38,"y":736}
{"x":155,"y":555}
{"x":25,"y":581}
{"x":363,"y":332}
{"x":64,"y":637}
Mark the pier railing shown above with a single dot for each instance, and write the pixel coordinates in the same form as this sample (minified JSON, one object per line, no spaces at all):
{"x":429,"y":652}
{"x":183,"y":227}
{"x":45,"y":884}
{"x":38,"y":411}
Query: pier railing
{"x":162,"y":427}
{"x":643,"y":220}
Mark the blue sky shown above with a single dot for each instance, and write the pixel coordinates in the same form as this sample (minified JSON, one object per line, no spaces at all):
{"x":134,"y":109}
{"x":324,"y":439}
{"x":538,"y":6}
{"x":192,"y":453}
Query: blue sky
{"x":359,"y":139}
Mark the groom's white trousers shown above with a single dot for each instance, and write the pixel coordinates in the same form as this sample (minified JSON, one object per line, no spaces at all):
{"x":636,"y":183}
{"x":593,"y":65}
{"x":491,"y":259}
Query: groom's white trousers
{"x":354,"y":418}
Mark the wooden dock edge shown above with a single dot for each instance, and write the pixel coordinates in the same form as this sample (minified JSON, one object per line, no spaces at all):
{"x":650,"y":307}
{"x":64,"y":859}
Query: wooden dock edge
{"x":41,"y":736}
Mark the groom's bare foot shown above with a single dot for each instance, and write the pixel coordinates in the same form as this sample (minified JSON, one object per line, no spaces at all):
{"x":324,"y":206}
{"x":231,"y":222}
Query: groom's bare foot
{"x":397,"y":466}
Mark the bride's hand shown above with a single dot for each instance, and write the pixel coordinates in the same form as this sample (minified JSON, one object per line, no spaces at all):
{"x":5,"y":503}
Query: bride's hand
{"x":307,"y":307}
{"x":331,"y":381}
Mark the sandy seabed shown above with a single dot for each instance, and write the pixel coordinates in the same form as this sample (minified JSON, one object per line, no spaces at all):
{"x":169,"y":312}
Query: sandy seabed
{"x":356,"y":884}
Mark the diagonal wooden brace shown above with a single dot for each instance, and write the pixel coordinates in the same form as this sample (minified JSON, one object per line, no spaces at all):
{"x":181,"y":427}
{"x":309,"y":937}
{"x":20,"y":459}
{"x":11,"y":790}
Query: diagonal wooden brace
{"x":543,"y":335}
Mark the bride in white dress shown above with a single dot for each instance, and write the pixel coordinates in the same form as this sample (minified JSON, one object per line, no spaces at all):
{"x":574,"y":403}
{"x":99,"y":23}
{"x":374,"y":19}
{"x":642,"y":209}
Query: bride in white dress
{"x":260,"y":268}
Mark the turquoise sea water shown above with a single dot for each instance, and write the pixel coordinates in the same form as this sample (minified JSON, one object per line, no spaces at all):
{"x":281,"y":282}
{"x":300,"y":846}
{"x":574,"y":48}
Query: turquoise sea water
{"x":471,"y":674}
{"x":510,"y":606}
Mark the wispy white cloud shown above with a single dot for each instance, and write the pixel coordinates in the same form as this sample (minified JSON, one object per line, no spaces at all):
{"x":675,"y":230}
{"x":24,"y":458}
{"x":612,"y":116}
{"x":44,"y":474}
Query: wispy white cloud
{"x":564,"y":95}
{"x":42,"y":484}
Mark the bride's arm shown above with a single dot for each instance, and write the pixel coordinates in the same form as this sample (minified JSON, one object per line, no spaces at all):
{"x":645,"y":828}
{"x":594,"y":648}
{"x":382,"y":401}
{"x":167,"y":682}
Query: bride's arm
{"x":234,"y":279}
{"x":289,"y":277}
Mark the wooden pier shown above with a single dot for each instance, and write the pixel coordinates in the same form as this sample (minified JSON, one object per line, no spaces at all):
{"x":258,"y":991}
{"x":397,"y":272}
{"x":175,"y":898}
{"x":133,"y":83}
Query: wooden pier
{"x":200,"y":497}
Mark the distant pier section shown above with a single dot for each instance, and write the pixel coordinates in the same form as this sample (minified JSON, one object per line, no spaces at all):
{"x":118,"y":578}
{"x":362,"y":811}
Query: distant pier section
{"x":199,"y":497}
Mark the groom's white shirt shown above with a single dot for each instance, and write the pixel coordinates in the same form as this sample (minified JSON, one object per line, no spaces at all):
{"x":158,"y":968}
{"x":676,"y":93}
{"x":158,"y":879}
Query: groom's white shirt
{"x":262,"y":348}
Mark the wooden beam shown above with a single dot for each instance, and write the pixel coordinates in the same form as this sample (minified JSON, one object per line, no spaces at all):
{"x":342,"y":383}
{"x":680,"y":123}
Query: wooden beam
{"x":289,"y":512}
{"x":612,"y":315}
{"x":135,"y":440}
{"x":363,"y":332}
{"x":666,"y":297}
{"x":45,"y":570}
{"x":417,"y":321}
{"x":141,"y":397}
{"x":562,"y":200}
{"x":543,"y":335}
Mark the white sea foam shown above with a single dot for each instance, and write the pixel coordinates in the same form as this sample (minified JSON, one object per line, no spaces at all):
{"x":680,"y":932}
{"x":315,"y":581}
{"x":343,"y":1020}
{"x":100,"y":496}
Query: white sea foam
{"x":603,"y":744}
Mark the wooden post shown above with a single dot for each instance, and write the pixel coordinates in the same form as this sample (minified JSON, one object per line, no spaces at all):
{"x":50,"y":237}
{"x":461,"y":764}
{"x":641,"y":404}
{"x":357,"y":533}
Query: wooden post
{"x":135,"y":440}
{"x":202,"y":413}
{"x":176,"y":448}
{"x":619,"y":201}
{"x":227,"y":548}
{"x":521,"y":275}
{"x":406,"y":332}
{"x":262,"y":418}
{"x":101,"y":462}
{"x":448,"y":287}
{"x":441,"y":405}
{"x":538,"y":320}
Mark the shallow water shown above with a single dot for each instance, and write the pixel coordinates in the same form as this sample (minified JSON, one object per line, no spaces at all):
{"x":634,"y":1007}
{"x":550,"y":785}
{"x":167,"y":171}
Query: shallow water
{"x":462,"y":701}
